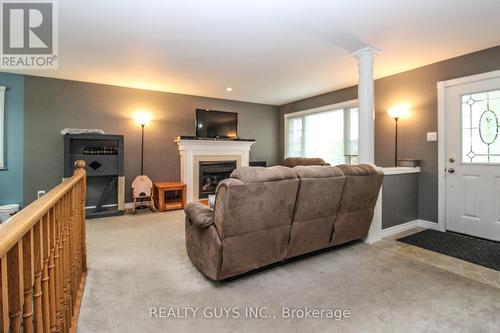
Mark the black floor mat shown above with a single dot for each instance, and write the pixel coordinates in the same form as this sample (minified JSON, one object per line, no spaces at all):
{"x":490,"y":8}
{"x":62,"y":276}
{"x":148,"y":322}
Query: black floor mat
{"x":477,"y":251}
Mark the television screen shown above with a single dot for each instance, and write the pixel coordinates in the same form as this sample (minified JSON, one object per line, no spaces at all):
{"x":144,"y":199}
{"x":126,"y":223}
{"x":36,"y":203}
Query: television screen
{"x":216,"y":124}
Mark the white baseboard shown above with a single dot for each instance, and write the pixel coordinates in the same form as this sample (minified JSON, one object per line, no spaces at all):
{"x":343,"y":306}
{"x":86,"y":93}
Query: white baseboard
{"x":388,"y":232}
{"x":429,"y":225}
{"x":391,"y":231}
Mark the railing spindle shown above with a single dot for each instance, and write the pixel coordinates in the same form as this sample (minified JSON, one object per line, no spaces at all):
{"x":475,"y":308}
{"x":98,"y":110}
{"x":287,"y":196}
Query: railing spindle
{"x":28,"y":276}
{"x":45,"y":272}
{"x":15,"y":282}
{"x":38,"y":259}
{"x":59,"y":269}
{"x":4,"y":294}
{"x":51,"y":242}
{"x":67,"y":309}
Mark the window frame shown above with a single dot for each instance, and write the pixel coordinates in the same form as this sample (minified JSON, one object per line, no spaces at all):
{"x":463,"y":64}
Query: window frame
{"x":345,"y":106}
{"x":2,"y":128}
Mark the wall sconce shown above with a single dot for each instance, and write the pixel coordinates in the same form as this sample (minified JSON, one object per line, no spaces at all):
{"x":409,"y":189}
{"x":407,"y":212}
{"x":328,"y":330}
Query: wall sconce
{"x":142,"y":118}
{"x":397,"y":112}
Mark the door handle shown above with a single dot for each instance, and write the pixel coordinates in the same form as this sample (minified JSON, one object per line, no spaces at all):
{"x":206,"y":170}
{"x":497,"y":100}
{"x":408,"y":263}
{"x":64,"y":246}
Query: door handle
{"x":451,"y":170}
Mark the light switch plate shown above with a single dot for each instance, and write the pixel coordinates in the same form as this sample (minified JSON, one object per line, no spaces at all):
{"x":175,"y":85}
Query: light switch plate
{"x":432,"y":136}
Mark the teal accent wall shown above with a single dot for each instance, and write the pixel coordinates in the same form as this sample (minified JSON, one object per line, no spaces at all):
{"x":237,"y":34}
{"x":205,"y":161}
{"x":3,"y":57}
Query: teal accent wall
{"x":11,"y":179}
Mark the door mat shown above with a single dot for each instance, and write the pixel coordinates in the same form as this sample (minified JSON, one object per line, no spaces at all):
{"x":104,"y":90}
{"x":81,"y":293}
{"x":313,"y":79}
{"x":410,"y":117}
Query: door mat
{"x":475,"y":250}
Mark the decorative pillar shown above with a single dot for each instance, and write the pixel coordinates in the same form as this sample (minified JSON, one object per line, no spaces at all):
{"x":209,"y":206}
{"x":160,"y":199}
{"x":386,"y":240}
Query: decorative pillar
{"x":366,"y":136}
{"x":366,"y":105}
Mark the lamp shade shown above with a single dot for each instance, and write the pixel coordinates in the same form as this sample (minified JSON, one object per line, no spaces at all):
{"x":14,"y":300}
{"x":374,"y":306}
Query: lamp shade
{"x":142,"y":118}
{"x":398,"y":111}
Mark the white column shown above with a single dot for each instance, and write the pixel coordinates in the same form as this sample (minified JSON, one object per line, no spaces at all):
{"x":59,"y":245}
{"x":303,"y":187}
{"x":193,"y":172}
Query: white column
{"x":366,"y":138}
{"x":375,"y":232}
{"x":366,"y":114}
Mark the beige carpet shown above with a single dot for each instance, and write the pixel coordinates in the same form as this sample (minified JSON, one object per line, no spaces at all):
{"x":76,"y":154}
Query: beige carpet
{"x":138,"y":262}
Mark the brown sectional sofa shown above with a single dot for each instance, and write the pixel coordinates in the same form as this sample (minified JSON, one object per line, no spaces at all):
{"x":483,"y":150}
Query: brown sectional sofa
{"x":267,"y":215}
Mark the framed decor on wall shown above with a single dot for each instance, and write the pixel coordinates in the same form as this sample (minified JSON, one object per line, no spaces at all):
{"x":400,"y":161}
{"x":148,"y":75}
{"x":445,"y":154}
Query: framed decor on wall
{"x":2,"y":128}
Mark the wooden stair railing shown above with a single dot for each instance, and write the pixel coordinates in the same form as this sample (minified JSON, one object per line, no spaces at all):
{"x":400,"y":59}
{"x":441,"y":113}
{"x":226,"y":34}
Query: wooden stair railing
{"x":43,"y":261}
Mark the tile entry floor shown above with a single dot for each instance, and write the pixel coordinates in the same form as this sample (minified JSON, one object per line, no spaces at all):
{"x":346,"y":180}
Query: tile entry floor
{"x":463,"y":268}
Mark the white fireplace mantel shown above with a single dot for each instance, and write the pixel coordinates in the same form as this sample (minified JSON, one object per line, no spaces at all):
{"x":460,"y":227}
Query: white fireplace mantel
{"x":194,"y":151}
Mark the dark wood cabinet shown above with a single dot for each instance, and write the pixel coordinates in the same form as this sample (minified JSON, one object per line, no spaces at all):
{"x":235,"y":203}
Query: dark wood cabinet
{"x":103,"y":156}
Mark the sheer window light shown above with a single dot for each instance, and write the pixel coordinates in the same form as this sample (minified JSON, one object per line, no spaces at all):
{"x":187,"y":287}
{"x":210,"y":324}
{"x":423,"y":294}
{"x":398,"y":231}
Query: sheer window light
{"x":331,"y":134}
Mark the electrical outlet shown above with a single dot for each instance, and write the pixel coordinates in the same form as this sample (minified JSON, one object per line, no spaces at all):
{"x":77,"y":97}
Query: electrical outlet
{"x":432,"y":136}
{"x":40,"y":194}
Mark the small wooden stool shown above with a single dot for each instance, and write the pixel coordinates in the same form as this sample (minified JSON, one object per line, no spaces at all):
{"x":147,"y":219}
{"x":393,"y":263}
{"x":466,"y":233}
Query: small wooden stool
{"x":177,"y":201}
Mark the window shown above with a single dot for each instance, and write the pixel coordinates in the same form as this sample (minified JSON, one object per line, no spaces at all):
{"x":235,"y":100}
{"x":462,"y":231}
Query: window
{"x":481,"y":127}
{"x":2,"y":128}
{"x":329,"y":132}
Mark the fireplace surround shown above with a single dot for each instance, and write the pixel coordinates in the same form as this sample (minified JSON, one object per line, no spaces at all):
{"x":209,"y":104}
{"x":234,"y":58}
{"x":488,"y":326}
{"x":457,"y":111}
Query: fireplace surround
{"x":194,"y":151}
{"x":211,"y":173}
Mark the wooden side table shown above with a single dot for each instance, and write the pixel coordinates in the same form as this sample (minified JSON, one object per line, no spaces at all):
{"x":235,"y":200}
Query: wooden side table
{"x":170,"y":195}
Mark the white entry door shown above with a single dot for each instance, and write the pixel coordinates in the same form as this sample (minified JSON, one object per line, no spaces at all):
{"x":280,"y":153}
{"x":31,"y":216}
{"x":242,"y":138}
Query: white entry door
{"x":472,"y":127}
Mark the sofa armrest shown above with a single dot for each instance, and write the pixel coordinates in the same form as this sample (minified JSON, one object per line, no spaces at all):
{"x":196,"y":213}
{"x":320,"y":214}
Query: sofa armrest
{"x":199,"y":214}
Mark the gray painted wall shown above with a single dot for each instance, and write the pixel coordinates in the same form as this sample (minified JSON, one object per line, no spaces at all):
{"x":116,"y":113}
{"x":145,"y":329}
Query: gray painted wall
{"x":399,"y":199}
{"x":53,"y":104}
{"x":418,"y":88}
{"x":11,"y":178}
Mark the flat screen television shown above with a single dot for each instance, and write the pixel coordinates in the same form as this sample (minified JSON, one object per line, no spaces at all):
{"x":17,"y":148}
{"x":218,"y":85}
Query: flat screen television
{"x":216,"y":124}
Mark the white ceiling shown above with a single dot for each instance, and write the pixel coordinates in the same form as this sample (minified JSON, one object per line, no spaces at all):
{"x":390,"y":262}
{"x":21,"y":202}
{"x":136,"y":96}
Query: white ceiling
{"x":268,"y":51}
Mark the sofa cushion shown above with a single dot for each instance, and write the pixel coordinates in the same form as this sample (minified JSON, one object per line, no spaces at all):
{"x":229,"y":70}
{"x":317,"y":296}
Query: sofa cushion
{"x":320,"y":190}
{"x":262,"y":174}
{"x":361,"y":189}
{"x":318,"y":197}
{"x":248,"y":207}
{"x":246,"y":252}
{"x":316,"y":171}
{"x":358,"y":170}
{"x":358,"y":201}
{"x":295,"y":161}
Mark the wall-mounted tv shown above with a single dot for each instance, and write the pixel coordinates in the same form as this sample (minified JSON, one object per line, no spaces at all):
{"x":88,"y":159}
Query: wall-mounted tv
{"x":216,"y":124}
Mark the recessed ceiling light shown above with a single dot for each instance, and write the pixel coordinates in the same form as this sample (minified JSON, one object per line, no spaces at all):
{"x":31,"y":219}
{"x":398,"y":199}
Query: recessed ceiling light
{"x":229,"y":89}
